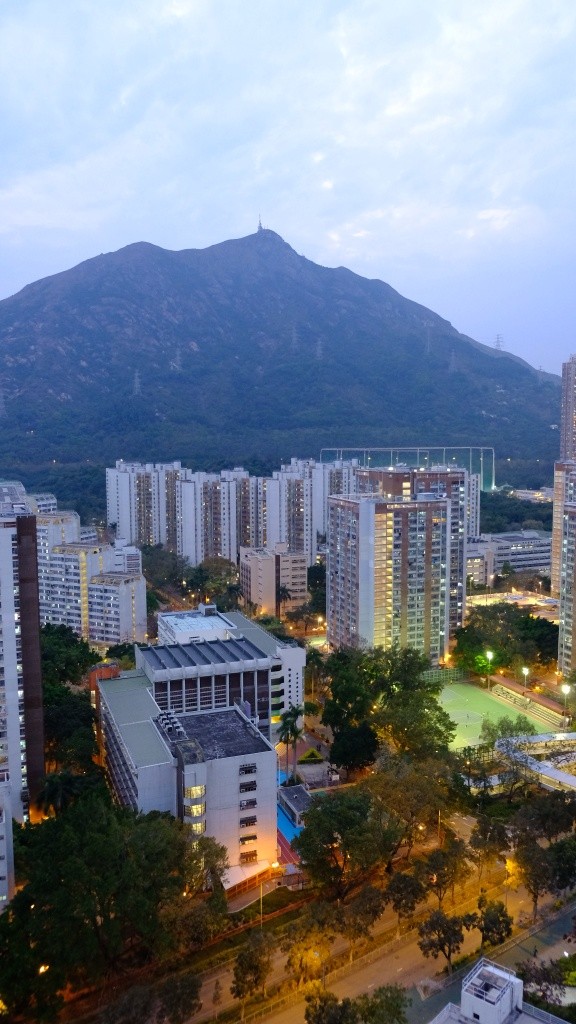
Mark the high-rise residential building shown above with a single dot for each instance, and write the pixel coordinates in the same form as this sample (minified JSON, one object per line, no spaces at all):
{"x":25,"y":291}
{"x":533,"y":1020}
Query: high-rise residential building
{"x":266,"y":577}
{"x":141,"y":501}
{"x":85,"y":585}
{"x":21,"y":714}
{"x":568,"y":412}
{"x":564,"y":490}
{"x":387,"y":577}
{"x":453,"y":483}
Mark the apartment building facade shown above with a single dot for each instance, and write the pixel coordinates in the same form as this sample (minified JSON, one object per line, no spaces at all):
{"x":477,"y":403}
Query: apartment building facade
{"x":387,"y":575}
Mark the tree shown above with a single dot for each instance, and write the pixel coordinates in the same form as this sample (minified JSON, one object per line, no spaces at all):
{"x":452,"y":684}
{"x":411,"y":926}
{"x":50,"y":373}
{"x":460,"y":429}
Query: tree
{"x":217,"y":993}
{"x":178,"y":997}
{"x":411,"y":794}
{"x":443,"y":868}
{"x":252,"y":967}
{"x":65,"y":657}
{"x":505,"y":728}
{"x":416,"y":724}
{"x":488,"y":842}
{"x":97,"y":878}
{"x":546,"y":816}
{"x":562,"y":856}
{"x":60,"y":789}
{"x":360,"y":915}
{"x":535,"y":871}
{"x":308,"y":943}
{"x":442,"y":935}
{"x":513,"y":636}
{"x":493,"y":921}
{"x":387,"y":1003}
{"x":354,"y":747}
{"x":282,"y":596}
{"x":404,"y":893}
{"x":543,"y":980}
{"x":343,"y":841}
{"x":325,"y":1008}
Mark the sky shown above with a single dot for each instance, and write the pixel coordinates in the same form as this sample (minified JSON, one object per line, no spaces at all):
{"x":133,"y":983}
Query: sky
{"x":428,"y":143}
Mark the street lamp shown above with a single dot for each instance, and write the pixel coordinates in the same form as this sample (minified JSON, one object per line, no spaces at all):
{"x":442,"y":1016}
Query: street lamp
{"x":489,"y":656}
{"x":525,"y":673}
{"x":565,"y":690}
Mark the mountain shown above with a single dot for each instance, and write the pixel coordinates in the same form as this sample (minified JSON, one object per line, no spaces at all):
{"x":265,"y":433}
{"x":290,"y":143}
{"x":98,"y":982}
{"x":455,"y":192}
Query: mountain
{"x":244,"y":351}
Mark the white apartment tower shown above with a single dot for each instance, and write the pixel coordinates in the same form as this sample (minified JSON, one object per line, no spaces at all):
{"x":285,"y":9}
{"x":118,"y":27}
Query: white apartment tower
{"x":388,"y":572}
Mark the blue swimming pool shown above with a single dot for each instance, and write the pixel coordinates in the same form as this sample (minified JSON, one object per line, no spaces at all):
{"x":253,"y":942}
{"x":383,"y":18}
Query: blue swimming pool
{"x":285,"y":826}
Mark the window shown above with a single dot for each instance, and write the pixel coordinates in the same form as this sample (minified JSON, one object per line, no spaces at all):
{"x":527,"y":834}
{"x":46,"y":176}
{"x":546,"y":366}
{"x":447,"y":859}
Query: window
{"x":249,"y":857}
{"x":194,"y":792}
{"x":245,"y":804}
{"x":244,"y":840}
{"x":248,"y":822}
{"x":247,"y":787}
{"x":247,"y":769}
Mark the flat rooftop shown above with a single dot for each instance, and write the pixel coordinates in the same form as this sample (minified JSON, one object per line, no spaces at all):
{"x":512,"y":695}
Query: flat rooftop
{"x":198,"y":654}
{"x":218,"y":734}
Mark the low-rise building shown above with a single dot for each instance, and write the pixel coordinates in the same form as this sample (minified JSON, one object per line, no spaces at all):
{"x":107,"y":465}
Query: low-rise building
{"x":214,"y":770}
{"x":492,"y":994}
{"x":208,"y":660}
{"x":521,"y":549}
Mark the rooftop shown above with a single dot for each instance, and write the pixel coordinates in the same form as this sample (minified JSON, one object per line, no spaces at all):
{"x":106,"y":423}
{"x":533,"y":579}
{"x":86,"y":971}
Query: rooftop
{"x":198,"y":654}
{"x":218,"y":734}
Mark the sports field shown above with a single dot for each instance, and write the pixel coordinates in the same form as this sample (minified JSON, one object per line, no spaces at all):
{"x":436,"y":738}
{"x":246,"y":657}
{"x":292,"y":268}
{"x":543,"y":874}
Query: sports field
{"x":468,"y":707}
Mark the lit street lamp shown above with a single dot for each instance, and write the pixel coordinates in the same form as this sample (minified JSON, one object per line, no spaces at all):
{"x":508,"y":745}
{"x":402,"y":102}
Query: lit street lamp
{"x":489,"y":656}
{"x":565,"y":690}
{"x":525,"y":673}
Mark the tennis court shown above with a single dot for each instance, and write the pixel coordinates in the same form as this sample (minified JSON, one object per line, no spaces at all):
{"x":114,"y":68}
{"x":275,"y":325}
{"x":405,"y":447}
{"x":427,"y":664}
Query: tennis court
{"x":468,"y":706}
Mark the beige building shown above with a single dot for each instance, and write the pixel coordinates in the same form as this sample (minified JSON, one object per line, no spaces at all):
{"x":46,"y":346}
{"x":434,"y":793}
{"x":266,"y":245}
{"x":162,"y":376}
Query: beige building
{"x":265,"y":575}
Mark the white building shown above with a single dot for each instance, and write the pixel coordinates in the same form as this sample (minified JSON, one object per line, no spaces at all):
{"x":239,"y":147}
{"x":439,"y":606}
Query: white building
{"x":214,"y":770}
{"x":387,"y":579}
{"x":117,"y":611}
{"x":84,"y":584}
{"x":217,"y":660}
{"x":522,"y":549}
{"x":492,"y":994}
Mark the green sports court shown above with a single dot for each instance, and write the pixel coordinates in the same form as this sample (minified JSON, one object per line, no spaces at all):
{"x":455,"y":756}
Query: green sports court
{"x":468,"y":706}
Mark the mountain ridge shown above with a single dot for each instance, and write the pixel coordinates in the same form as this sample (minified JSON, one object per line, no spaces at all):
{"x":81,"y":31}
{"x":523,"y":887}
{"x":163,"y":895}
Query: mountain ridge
{"x":247,"y":349}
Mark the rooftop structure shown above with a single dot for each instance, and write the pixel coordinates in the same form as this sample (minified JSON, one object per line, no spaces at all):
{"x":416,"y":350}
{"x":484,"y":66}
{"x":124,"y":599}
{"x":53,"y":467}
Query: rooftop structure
{"x":492,"y":994}
{"x":231,"y":660}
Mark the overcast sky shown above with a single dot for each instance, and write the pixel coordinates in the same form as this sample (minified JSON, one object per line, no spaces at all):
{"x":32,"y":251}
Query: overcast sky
{"x":432,"y":146}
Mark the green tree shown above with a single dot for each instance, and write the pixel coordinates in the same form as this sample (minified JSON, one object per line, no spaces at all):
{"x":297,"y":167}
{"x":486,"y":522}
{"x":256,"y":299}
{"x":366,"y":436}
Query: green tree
{"x":442,"y":935}
{"x":343,"y":841}
{"x":535,"y":871}
{"x":308,"y":943}
{"x":488,"y":842}
{"x":252,"y":967}
{"x":354,"y":747}
{"x":546,"y":816}
{"x":562,"y":856}
{"x":542,"y":979}
{"x":178,"y":998}
{"x":411,"y":793}
{"x":494,"y":922}
{"x":360,"y":915}
{"x":505,"y":728}
{"x":65,"y":657}
{"x":404,"y":893}
{"x":416,"y":724}
{"x":60,"y":789}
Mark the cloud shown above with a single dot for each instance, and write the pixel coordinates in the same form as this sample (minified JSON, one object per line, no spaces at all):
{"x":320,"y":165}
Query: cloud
{"x":448,"y":128}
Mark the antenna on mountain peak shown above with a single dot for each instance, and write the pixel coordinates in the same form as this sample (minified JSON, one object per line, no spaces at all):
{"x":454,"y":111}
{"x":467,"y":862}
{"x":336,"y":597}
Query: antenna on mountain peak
{"x":498,"y":343}
{"x":260,"y":228}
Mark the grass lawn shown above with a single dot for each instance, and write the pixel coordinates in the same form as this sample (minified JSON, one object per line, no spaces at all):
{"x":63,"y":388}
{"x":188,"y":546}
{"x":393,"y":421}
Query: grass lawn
{"x":468,"y":706}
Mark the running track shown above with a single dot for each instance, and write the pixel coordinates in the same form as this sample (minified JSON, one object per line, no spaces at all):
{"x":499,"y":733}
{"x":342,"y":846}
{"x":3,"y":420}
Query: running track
{"x":287,"y":855}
